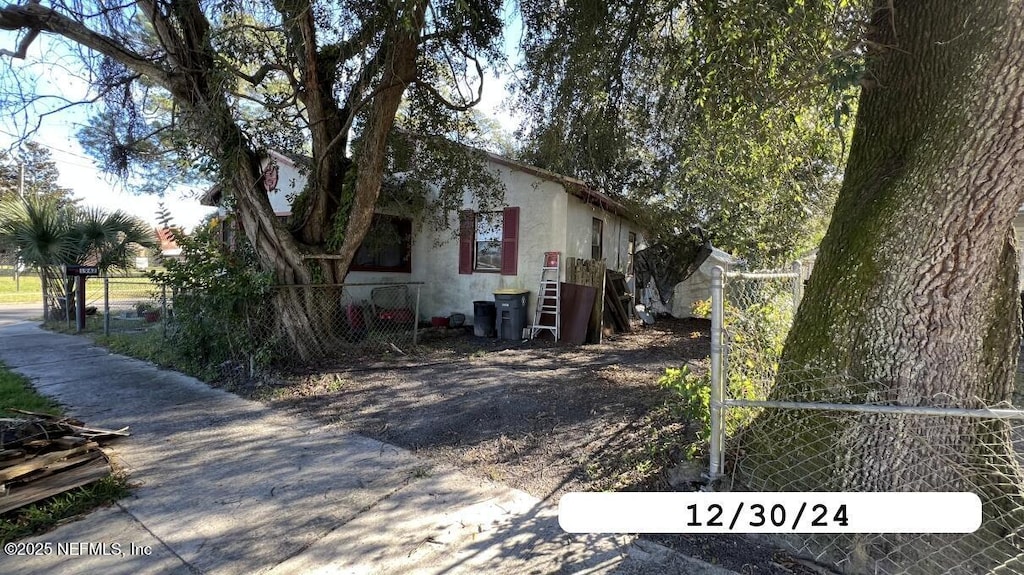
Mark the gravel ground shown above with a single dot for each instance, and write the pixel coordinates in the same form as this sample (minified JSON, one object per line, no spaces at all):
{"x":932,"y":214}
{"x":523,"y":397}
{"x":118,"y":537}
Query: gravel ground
{"x":536,"y":415}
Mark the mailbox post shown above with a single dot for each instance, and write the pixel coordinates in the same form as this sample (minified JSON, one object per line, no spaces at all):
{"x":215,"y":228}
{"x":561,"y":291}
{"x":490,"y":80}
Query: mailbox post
{"x":80,"y":273}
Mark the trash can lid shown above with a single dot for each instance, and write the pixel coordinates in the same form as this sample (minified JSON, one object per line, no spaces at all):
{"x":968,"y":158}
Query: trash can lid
{"x":511,"y":291}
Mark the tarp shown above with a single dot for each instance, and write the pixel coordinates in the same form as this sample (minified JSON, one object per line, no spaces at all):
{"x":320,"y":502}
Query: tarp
{"x":671,"y":262}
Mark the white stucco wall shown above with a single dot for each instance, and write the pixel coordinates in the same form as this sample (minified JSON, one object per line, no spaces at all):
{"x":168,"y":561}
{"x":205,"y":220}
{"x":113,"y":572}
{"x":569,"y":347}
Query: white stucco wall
{"x":616,"y":234}
{"x":289,"y":183}
{"x":542,"y":216}
{"x":549,"y":220}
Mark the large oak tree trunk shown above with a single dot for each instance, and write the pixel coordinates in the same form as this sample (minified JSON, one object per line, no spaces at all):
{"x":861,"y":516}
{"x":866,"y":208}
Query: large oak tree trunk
{"x":336,"y":214}
{"x":309,"y":317}
{"x":913,"y":299}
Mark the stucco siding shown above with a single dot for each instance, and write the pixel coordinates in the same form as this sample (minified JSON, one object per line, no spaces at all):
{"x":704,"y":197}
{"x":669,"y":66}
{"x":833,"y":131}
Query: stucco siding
{"x":550,"y":219}
{"x":289,"y":184}
{"x":542,"y":213}
{"x":615,"y":234}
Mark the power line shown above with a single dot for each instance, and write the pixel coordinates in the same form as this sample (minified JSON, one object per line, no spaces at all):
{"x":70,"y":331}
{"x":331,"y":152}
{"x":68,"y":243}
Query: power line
{"x":49,"y":146}
{"x":90,"y":165}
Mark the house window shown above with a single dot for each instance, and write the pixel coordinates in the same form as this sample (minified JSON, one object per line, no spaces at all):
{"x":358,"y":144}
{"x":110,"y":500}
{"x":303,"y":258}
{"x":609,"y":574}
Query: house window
{"x":387,"y":247}
{"x":489,"y":242}
{"x":597,"y":239}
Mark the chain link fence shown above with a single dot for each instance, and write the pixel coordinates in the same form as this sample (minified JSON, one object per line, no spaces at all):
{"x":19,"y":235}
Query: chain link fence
{"x":112,"y":304}
{"x":330,"y":322}
{"x":279,"y":326}
{"x":856,"y":441}
{"x":750,"y":317}
{"x":130,"y":305}
{"x":296,"y":326}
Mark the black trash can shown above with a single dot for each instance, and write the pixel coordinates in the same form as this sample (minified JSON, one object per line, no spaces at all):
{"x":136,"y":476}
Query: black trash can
{"x":483,"y":318}
{"x":511,"y":308}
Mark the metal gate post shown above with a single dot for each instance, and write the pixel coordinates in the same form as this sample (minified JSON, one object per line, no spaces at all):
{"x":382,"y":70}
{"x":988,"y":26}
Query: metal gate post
{"x":716,"y":459}
{"x":416,"y":319}
{"x":67,"y":302}
{"x":106,"y":306}
{"x":163,"y":310}
{"x":798,"y":284}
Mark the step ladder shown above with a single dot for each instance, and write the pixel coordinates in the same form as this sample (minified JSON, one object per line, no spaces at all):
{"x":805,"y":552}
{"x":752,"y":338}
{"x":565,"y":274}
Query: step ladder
{"x":548,"y":316}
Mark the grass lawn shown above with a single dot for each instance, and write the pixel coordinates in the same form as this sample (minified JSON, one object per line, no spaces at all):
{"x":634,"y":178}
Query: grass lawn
{"x":26,"y":290}
{"x":16,"y":392}
{"x":29,"y":289}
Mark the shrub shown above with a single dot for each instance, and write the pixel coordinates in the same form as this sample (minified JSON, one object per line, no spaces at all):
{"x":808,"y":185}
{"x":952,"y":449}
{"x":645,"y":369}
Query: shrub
{"x":692,"y":396}
{"x":756,"y":335}
{"x":220,"y":300}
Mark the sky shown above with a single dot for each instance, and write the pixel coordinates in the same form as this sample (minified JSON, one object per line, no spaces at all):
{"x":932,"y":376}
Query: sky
{"x":80,"y":173}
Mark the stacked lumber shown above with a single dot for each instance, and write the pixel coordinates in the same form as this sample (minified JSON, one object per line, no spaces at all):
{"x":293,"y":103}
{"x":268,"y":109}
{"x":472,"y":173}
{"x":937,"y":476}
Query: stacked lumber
{"x":43,"y":455}
{"x":589,"y":273}
{"x":617,"y":301}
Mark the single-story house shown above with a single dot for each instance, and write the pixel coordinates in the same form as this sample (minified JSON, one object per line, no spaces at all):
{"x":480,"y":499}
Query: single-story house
{"x":546,"y":212}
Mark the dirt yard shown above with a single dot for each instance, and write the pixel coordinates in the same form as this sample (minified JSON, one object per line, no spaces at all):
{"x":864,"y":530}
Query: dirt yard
{"x":536,"y":415}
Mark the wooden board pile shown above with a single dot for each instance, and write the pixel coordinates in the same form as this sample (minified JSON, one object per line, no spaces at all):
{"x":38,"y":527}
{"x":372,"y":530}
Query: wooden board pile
{"x":44,"y":455}
{"x":618,"y":304}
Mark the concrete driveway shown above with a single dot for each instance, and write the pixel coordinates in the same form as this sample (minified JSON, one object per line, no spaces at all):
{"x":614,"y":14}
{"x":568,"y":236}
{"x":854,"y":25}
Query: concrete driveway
{"x":18,"y":312}
{"x":226,"y":485}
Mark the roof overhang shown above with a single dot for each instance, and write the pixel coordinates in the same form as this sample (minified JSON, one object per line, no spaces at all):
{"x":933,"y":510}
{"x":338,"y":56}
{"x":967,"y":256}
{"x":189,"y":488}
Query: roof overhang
{"x":578,"y":188}
{"x":573,"y":186}
{"x":211,"y":197}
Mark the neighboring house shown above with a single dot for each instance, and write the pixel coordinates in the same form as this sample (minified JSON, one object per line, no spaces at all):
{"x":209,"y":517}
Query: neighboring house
{"x":546,"y":212}
{"x":169,"y":249}
{"x":697,"y":287}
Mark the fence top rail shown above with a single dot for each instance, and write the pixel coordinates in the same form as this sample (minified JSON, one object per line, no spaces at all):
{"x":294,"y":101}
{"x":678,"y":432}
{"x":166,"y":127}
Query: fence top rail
{"x":353,"y":284}
{"x":889,"y":409}
{"x":762,"y":275}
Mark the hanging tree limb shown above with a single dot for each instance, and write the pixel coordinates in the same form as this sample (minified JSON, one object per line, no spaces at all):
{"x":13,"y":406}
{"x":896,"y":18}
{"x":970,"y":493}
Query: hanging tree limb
{"x":37,"y":18}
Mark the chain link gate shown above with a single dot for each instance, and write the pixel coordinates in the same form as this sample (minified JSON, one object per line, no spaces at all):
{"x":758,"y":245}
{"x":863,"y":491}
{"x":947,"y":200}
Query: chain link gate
{"x":744,"y":362}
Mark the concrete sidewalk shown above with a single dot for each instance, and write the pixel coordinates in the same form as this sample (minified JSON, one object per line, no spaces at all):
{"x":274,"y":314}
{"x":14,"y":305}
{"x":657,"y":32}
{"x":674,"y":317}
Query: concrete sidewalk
{"x":226,"y":485}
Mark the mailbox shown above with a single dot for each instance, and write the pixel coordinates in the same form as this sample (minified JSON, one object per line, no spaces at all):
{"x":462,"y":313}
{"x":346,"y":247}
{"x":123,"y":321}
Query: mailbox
{"x":82,"y":270}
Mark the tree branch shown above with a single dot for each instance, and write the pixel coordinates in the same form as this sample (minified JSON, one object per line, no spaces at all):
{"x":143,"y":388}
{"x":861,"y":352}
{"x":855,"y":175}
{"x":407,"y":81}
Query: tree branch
{"x":448,"y":103}
{"x":353,"y":112}
{"x":36,"y":18}
{"x":258,"y":76}
{"x":168,"y":37}
{"x":282,"y":105}
{"x":22,"y":46}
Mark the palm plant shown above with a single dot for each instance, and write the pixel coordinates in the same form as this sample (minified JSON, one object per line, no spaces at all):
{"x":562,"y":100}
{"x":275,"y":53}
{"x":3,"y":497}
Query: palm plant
{"x":49,"y":236}
{"x":109,"y":240}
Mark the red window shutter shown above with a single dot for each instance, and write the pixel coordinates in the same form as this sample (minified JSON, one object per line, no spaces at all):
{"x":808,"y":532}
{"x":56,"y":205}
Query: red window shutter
{"x":510,"y":242}
{"x":467,"y":232}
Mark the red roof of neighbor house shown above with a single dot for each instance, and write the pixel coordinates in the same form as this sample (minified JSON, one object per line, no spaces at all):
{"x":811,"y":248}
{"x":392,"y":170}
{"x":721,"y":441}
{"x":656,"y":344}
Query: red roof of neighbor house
{"x":166,"y":237}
